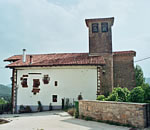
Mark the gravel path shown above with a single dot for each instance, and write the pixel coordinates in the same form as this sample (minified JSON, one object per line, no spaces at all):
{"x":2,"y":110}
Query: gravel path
{"x":52,"y":120}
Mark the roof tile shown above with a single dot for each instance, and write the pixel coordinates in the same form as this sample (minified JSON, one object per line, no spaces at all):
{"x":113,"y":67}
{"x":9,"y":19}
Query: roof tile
{"x":56,"y":59}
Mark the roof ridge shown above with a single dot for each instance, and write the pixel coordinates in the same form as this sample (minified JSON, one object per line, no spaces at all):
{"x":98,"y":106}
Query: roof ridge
{"x":53,"y":53}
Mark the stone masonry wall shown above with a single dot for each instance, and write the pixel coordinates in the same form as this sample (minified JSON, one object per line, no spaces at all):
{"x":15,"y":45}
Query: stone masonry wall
{"x":106,"y":76}
{"x":124,"y":71}
{"x":135,"y":114}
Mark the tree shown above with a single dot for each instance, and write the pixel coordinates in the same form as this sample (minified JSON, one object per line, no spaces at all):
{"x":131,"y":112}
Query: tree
{"x":140,"y":80}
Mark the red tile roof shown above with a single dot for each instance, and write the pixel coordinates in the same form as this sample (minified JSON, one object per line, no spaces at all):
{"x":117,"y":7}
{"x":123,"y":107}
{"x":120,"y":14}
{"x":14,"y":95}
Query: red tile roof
{"x":62,"y":59}
{"x":125,"y":53}
{"x":56,"y":60}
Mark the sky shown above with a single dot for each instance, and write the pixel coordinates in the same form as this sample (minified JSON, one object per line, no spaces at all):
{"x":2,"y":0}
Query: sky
{"x":58,"y":26}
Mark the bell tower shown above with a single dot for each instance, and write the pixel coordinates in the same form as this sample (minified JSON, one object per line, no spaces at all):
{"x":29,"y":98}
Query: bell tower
{"x":100,"y":35}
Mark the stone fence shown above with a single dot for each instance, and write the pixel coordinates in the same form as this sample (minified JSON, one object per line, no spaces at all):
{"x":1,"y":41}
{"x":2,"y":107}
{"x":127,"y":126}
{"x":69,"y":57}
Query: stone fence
{"x":133,"y":114}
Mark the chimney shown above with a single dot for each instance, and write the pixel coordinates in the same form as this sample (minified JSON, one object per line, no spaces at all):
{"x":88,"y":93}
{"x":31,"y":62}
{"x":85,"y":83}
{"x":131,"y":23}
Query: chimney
{"x":30,"y":59}
{"x":24,"y":55}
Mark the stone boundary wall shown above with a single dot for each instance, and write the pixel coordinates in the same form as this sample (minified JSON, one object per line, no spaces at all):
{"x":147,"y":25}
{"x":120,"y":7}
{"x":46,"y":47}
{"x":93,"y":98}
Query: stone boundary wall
{"x":134,"y":114}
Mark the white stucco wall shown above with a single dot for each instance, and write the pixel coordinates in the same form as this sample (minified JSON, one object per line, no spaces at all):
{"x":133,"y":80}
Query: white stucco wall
{"x":71,"y":81}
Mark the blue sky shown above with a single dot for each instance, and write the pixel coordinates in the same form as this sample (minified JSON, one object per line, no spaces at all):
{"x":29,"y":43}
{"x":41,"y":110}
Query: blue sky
{"x":48,"y":26}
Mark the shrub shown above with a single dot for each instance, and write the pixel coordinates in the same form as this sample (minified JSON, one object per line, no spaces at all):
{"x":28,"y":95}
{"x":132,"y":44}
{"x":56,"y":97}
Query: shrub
{"x":80,"y":96}
{"x":76,"y":114}
{"x":146,"y":89}
{"x":88,"y":118}
{"x":137,"y":95}
{"x":71,"y":111}
{"x":112,"y":97}
{"x":119,"y":94}
{"x":101,"y":97}
{"x":25,"y":109}
{"x":2,"y":101}
{"x":22,"y":109}
{"x":40,"y":107}
{"x":28,"y":109}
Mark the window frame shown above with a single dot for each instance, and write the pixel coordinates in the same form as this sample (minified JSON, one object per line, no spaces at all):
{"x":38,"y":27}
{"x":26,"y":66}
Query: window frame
{"x":95,"y":27}
{"x":104,"y":27}
{"x":55,"y":99}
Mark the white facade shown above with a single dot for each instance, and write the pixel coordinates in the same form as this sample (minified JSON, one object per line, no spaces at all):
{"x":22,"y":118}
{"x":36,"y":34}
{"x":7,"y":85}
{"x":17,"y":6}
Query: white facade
{"x":72,"y":80}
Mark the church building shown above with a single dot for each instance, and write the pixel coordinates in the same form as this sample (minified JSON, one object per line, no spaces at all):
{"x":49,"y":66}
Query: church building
{"x":51,"y":78}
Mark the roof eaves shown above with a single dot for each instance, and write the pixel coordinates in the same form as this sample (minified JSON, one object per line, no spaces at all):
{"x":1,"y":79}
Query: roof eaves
{"x":54,"y":65}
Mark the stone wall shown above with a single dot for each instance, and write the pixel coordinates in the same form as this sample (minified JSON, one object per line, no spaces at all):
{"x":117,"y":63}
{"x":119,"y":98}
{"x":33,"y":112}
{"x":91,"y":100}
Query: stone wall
{"x":134,"y":114}
{"x":106,"y":77}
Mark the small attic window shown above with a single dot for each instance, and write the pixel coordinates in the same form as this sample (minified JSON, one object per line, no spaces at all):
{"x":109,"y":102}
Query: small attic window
{"x":24,"y":83}
{"x":104,"y":27}
{"x":95,"y":28}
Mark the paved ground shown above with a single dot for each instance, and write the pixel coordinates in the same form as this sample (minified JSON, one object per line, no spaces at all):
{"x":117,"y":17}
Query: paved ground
{"x":53,"y":120}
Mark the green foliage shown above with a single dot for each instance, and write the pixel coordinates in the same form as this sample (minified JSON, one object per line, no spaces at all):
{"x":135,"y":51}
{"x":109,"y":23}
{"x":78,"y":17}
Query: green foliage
{"x":77,"y":109}
{"x":119,"y":94}
{"x":101,"y":97}
{"x":88,"y":118}
{"x":40,"y":107}
{"x":5,"y":92}
{"x":137,"y":95}
{"x":112,"y":97}
{"x":2,"y":101}
{"x":139,"y":76}
{"x":76,"y":114}
{"x":80,"y":96}
{"x":146,"y":89}
{"x":140,"y":81}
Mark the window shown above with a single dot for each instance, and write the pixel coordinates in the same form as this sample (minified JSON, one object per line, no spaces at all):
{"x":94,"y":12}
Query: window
{"x":46,"y":79}
{"x":56,"y":83}
{"x":24,"y":82}
{"x":104,"y":27}
{"x":95,"y":28}
{"x":36,"y":83}
{"x":54,"y":97}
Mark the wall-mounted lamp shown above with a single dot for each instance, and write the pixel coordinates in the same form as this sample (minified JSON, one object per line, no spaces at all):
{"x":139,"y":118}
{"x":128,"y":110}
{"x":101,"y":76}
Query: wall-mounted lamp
{"x":103,"y":71}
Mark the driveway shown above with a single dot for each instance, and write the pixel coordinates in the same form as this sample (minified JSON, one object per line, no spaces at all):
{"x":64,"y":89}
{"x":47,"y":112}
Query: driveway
{"x":52,"y":120}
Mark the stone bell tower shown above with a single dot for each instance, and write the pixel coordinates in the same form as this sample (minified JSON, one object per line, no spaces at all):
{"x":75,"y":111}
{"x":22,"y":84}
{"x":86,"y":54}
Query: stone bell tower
{"x":100,"y":36}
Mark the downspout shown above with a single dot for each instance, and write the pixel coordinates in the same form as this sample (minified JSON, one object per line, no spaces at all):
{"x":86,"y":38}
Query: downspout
{"x":12,"y":93}
{"x":112,"y":71}
{"x":14,"y":90}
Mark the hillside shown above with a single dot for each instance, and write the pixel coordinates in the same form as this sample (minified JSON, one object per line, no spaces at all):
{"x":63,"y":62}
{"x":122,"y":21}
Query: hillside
{"x":5,"y":91}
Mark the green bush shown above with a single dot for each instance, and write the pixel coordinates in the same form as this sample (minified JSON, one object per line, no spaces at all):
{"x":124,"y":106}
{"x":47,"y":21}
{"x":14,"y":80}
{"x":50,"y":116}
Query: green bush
{"x":77,"y":109}
{"x":112,"y":97}
{"x":137,"y":95}
{"x":101,"y":97}
{"x":2,"y":101}
{"x":119,"y":94}
{"x":146,"y":89}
